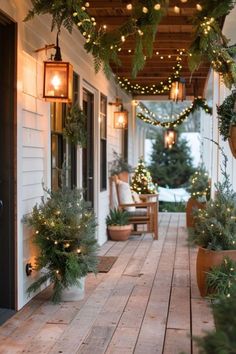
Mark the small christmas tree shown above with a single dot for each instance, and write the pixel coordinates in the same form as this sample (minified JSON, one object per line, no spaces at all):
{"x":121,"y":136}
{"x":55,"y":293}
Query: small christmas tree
{"x":199,"y":185}
{"x":142,"y":180}
{"x":64,"y":231}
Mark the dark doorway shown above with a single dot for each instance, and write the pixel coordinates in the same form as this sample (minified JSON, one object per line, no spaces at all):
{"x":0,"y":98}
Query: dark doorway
{"x":8,"y":50}
{"x":88,"y":152}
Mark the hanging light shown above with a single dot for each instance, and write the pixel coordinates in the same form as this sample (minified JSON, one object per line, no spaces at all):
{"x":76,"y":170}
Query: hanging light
{"x":170,"y":137}
{"x":58,"y":79}
{"x":120,"y":116}
{"x":177,"y":91}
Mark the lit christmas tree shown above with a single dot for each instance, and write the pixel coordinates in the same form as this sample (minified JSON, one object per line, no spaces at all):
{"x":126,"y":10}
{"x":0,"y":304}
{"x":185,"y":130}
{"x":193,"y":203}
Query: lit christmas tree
{"x":199,"y":185}
{"x":142,"y":180}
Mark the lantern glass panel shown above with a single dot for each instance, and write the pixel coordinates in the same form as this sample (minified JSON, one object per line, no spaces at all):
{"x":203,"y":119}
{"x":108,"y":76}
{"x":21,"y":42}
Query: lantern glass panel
{"x":58,"y":81}
{"x":170,"y":137}
{"x":121,"y":120}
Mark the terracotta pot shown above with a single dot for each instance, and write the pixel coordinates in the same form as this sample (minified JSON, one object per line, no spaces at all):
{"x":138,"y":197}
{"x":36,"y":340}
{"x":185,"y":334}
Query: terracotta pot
{"x":191,"y":205}
{"x":232,"y":139}
{"x":124,"y":176}
{"x":75,"y":292}
{"x":119,"y":232}
{"x":206,"y":259}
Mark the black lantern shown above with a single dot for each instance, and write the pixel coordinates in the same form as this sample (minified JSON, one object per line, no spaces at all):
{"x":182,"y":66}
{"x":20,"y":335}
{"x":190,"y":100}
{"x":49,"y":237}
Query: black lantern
{"x":170,"y":137}
{"x":178,"y":91}
{"x":58,"y":79}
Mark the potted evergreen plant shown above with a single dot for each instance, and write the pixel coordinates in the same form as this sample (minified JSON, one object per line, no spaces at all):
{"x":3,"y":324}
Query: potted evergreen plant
{"x":215,"y":230}
{"x":118,"y":225}
{"x":64,"y":231}
{"x":120,"y":167}
{"x":227,"y":121}
{"x":199,"y":190}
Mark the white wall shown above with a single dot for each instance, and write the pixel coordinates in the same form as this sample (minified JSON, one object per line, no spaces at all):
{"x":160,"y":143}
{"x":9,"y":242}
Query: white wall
{"x":33,"y":123}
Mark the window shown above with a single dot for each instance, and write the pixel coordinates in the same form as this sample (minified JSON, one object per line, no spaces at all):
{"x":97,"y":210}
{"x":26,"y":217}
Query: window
{"x":60,"y":148}
{"x":103,"y":142}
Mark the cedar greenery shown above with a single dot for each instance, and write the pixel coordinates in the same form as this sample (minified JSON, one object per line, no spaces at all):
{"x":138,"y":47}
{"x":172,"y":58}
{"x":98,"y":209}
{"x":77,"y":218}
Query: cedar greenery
{"x":215,"y":226}
{"x":226,"y":115}
{"x":119,"y":164}
{"x":210,"y":43}
{"x":222,"y":340}
{"x":117,"y":217}
{"x":76,"y":126}
{"x":221,"y":278}
{"x":64,"y":231}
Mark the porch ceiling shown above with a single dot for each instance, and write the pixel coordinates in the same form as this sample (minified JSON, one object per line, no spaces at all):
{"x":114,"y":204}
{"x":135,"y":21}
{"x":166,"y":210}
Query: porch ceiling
{"x":174,"y":32}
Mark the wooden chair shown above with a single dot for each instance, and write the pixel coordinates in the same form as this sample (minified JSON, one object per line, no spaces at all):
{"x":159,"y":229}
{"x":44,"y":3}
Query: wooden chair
{"x":145,"y":213}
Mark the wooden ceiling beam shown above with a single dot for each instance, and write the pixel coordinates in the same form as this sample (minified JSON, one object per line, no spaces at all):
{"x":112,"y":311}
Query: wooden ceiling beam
{"x":167,"y":20}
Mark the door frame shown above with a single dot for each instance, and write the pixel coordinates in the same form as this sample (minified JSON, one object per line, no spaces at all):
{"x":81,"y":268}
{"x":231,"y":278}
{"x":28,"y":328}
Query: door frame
{"x":96,"y":137}
{"x":11,"y":130}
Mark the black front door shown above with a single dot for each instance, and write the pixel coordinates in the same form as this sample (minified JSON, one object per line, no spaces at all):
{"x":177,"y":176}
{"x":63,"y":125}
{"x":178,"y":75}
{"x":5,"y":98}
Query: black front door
{"x":7,"y":164}
{"x":88,"y":152}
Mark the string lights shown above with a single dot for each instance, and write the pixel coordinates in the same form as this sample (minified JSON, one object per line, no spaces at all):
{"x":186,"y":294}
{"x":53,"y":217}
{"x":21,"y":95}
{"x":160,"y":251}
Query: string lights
{"x":149,"y":117}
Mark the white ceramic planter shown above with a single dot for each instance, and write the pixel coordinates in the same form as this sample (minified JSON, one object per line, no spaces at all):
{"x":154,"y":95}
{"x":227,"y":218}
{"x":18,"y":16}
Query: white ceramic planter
{"x":74,"y":293}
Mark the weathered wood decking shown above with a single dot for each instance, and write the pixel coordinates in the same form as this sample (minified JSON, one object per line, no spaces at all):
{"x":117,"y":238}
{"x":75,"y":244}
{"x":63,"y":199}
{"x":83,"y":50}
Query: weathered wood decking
{"x":147,"y":303}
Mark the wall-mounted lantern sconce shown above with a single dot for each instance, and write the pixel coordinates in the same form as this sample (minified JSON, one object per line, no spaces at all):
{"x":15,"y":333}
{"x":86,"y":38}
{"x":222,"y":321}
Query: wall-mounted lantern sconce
{"x":170,"y":137}
{"x":178,"y":90}
{"x":58,"y":79}
{"x":121,"y":116}
{"x":28,"y":269}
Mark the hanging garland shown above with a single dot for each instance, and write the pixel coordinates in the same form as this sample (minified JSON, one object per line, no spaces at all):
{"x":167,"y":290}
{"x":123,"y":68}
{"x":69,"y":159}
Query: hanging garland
{"x":197,"y":103}
{"x":103,"y":45}
{"x":209,"y":42}
{"x":226,"y":115}
{"x":160,"y":88}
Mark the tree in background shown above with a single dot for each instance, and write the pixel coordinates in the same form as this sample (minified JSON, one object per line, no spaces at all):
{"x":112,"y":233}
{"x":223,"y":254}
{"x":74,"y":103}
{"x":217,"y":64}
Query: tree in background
{"x":142,"y":180}
{"x":171,"y":167}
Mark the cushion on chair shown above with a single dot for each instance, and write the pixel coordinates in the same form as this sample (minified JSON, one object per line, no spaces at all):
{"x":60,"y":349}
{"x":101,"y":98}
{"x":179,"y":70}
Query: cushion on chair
{"x":138,"y":212}
{"x":125,"y":195}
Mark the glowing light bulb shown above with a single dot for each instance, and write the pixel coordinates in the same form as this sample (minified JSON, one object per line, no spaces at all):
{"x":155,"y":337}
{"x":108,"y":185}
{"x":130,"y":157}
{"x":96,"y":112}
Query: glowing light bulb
{"x":56,"y":82}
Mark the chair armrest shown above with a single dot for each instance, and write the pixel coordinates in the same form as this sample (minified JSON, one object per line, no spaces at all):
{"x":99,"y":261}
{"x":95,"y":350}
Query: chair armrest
{"x":146,"y":204}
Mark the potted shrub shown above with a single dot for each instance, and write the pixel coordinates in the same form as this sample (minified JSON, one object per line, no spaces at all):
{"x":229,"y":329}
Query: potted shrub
{"x":200,"y":191}
{"x":64,"y":231}
{"x":227,"y":121}
{"x":215,"y":230}
{"x":222,"y":339}
{"x":118,"y":225}
{"x":120,"y":167}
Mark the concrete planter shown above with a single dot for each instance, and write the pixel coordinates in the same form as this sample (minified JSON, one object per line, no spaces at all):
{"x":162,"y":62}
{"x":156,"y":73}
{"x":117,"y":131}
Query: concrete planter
{"x":75,"y":292}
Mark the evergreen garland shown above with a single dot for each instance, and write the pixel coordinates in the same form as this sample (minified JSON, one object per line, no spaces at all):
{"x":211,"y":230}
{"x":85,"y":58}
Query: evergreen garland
{"x":64,"y":231}
{"x":142,"y":180}
{"x":209,"y":42}
{"x":226,"y":115}
{"x":196,"y":104}
{"x":76,"y":126}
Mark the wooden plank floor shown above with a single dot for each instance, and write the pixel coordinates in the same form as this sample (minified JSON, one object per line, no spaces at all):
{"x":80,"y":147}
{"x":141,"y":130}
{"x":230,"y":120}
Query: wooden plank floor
{"x":147,"y":303}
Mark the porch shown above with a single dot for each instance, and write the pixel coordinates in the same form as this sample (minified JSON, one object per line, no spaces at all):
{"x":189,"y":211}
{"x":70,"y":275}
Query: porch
{"x":147,"y":303}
